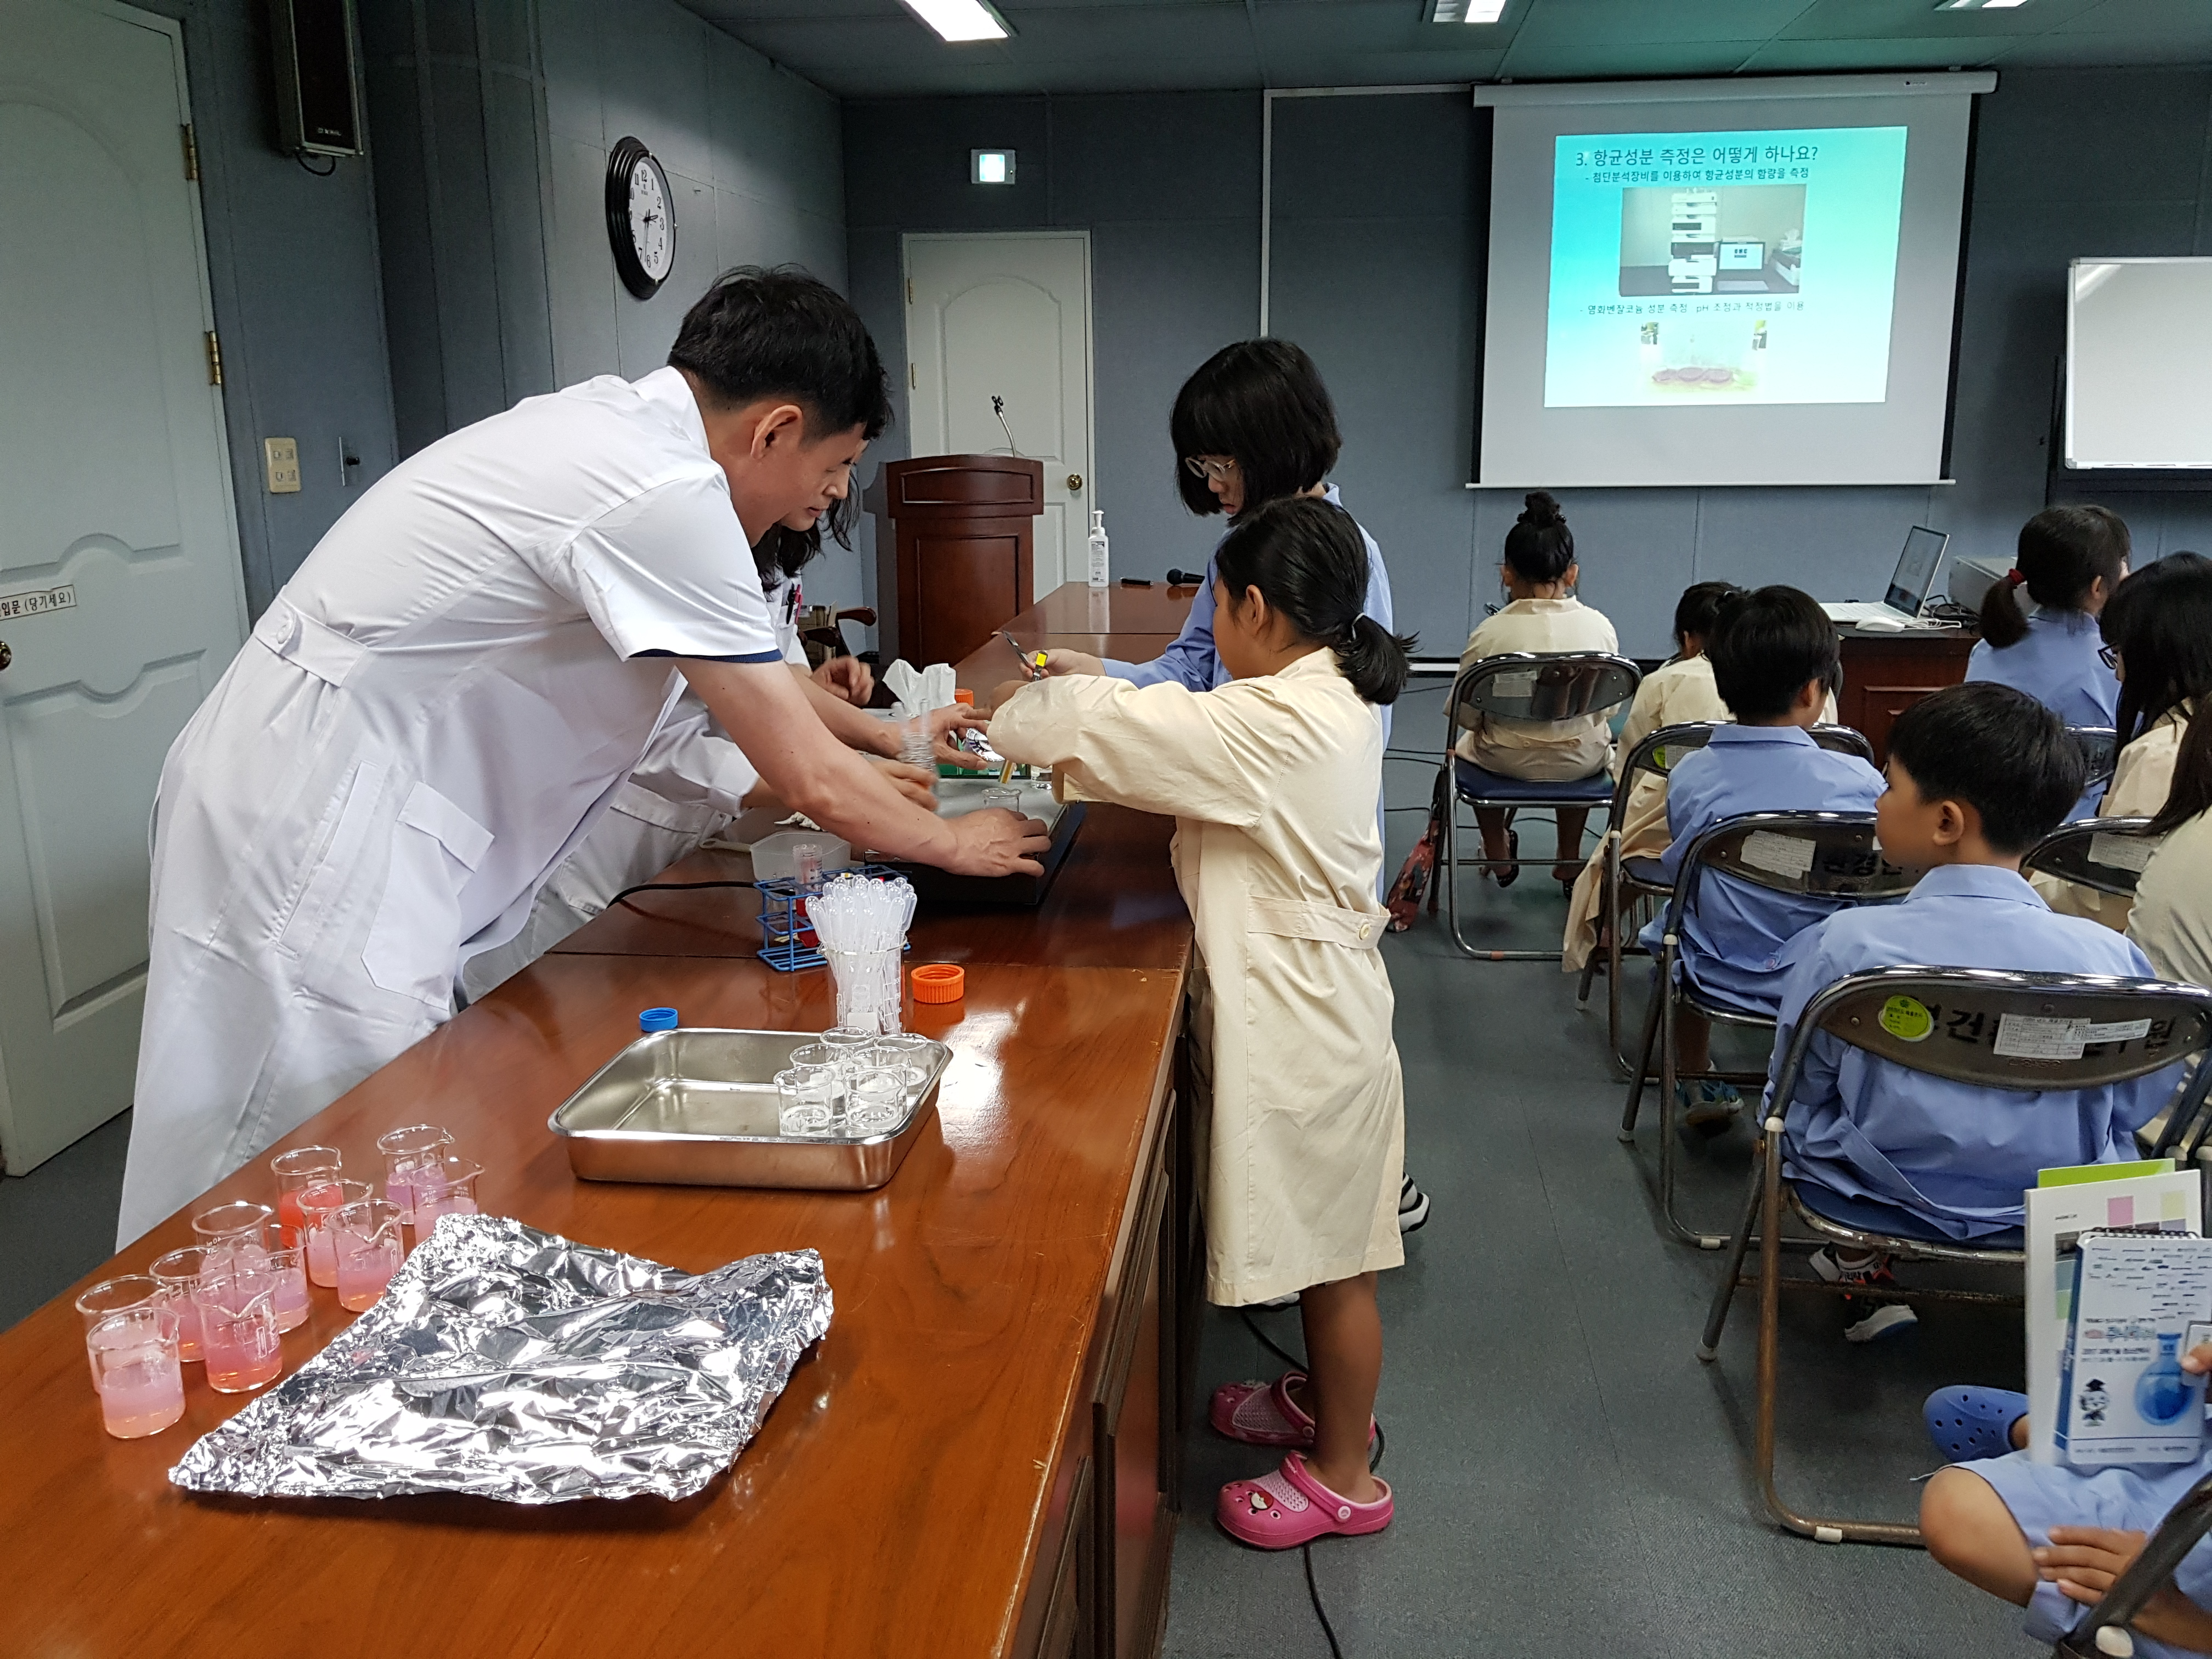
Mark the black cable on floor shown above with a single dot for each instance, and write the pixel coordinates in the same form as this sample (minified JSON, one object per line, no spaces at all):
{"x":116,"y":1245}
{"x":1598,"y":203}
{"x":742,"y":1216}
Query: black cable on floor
{"x":671,"y":887}
{"x":1374,"y":1462}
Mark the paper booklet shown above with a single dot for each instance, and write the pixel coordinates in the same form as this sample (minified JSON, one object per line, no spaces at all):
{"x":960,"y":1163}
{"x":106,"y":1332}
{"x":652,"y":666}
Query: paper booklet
{"x":2141,"y":1301}
{"x":2144,"y":1197}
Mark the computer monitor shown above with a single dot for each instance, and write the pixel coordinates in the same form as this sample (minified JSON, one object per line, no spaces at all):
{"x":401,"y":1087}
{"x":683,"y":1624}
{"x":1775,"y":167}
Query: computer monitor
{"x":1743,"y":256}
{"x":1915,"y":578}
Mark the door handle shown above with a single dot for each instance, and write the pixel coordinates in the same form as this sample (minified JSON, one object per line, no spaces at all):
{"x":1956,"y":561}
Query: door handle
{"x":1075,"y":483}
{"x":6,"y":655}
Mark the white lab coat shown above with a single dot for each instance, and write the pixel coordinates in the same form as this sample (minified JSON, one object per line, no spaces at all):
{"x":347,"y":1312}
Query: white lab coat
{"x":423,"y":725}
{"x":1276,"y":852}
{"x":2140,"y":782}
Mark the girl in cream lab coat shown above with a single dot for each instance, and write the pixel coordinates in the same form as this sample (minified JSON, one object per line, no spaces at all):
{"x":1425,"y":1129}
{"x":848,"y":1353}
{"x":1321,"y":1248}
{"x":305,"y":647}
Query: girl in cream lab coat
{"x":1272,"y":779}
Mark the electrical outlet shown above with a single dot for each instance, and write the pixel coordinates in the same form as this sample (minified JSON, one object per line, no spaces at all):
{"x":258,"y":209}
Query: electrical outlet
{"x":282,"y":455}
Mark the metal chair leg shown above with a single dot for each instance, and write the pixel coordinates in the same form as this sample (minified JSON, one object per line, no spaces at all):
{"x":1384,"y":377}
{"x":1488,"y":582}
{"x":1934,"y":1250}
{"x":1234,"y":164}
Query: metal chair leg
{"x":1724,"y":1296}
{"x":1643,"y":1069}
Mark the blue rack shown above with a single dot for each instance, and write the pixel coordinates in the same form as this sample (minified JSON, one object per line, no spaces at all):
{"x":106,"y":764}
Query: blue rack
{"x":782,"y":925}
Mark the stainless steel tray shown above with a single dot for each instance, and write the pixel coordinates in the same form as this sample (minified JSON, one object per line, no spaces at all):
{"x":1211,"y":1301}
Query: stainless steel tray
{"x":697,"y":1108}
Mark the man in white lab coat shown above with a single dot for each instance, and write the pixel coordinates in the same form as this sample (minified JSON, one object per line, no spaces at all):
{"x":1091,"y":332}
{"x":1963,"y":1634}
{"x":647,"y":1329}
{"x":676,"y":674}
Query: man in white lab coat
{"x":440,"y":702}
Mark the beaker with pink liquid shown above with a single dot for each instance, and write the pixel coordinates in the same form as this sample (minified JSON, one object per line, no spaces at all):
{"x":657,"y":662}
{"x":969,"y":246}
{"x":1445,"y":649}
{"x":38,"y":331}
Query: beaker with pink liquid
{"x":238,"y":1339}
{"x":297,"y":1171}
{"x":317,"y":1205}
{"x":240,"y":1227}
{"x":179,"y":1274}
{"x":136,"y":1368}
{"x":447,"y":1187}
{"x":405,"y":1151}
{"x":287,"y":1272}
{"x":114,"y":1296}
{"x":370,"y":1251}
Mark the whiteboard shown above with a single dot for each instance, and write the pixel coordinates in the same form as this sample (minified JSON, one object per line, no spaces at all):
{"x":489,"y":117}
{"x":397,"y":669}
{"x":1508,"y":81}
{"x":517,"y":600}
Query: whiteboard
{"x":2138,"y":360}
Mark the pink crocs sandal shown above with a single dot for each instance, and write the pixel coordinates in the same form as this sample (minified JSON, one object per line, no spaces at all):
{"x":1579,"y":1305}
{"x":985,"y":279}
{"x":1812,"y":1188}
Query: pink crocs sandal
{"x":1264,"y":1414}
{"x":1281,"y":1510}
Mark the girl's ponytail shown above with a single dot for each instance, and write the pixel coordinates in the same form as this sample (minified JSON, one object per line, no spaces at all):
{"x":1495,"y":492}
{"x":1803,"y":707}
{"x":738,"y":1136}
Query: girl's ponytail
{"x":1376,"y":660}
{"x":2003,"y":622}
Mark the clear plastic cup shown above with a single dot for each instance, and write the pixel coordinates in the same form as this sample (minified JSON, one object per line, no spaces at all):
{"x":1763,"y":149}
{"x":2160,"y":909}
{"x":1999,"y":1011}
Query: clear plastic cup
{"x":445,"y":1187}
{"x":807,"y":1102}
{"x":316,"y":1205}
{"x":239,"y":1338}
{"x":242,"y":1226}
{"x":135,"y":1368}
{"x":178,"y":1275}
{"x":405,"y":1151}
{"x":876,"y":1101}
{"x":365,"y":1238}
{"x":115,"y":1295}
{"x":296,"y":1171}
{"x":286,"y":1269}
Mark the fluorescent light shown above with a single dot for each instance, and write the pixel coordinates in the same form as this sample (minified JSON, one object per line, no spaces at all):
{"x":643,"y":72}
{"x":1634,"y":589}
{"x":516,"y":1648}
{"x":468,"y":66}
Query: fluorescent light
{"x":1466,"y":11}
{"x":990,"y":167}
{"x":960,"y":20}
{"x":1978,"y":5}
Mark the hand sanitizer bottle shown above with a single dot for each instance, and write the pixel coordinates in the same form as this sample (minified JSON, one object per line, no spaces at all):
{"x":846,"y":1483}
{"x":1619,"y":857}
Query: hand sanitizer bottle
{"x":1097,"y":548}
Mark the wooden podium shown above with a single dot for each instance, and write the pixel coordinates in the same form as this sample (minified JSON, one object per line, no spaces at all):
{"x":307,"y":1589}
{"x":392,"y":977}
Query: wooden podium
{"x":955,"y":550}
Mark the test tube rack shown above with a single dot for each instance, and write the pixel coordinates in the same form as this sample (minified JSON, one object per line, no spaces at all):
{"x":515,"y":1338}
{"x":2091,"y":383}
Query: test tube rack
{"x":785,"y":937}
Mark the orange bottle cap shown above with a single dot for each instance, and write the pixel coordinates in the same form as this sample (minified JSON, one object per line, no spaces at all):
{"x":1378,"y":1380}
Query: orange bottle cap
{"x":940,"y":982}
{"x":964,"y":696}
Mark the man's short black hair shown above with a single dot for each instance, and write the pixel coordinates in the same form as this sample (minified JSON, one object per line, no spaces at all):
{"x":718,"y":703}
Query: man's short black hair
{"x":1765,"y":645}
{"x":1262,"y":402}
{"x":781,"y":333}
{"x":1998,"y":749}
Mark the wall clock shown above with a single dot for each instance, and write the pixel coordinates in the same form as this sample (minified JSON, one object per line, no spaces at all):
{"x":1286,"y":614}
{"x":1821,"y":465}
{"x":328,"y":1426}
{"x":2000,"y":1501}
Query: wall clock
{"x":641,"y":218}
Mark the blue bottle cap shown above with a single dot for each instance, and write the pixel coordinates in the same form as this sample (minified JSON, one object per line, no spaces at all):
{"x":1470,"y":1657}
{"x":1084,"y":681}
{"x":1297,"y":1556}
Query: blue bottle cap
{"x":657,"y":1019}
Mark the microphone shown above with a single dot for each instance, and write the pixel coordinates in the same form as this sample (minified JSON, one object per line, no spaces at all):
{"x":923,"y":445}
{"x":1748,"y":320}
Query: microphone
{"x":1185,"y":578}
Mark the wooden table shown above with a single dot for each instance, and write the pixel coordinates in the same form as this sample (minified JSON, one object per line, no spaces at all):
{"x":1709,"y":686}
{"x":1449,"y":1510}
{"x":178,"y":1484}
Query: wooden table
{"x":1885,"y":673}
{"x":980,"y":1458}
{"x":1134,"y":623}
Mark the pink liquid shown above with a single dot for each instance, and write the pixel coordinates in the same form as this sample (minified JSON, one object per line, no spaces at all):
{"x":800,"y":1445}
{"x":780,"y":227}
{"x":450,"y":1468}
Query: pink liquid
{"x":290,"y":1299}
{"x":322,"y":1263}
{"x":364,"y":1269}
{"x":289,"y":1220}
{"x":188,"y":1329}
{"x":428,"y":1210}
{"x":142,"y":1395}
{"x":243,"y":1355}
{"x":322,"y":1257}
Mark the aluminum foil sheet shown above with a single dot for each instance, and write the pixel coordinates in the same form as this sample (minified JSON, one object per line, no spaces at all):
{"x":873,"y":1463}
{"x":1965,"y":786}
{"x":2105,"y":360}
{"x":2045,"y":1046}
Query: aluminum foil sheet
{"x":512,"y":1363}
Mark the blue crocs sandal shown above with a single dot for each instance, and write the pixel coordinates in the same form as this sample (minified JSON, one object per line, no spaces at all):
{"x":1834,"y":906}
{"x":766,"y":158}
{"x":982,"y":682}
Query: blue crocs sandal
{"x":1968,"y":1422}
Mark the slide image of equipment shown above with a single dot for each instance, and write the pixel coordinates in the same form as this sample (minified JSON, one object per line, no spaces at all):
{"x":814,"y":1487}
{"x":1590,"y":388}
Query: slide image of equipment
{"x":1703,"y":356}
{"x":1724,"y":239}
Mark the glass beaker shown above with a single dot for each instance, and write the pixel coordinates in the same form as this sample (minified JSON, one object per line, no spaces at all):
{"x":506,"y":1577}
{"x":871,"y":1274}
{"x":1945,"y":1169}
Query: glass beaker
{"x":808,"y":1100}
{"x":302,"y":1168}
{"x":907,"y":1054}
{"x":115,"y":1296}
{"x":448,"y":1187}
{"x":239,"y":1337}
{"x":241,"y":1227}
{"x":404,"y":1151}
{"x":1010,"y":799}
{"x":316,"y":1205}
{"x":876,"y":1101}
{"x":365,"y":1238}
{"x":286,"y":1271}
{"x":179,"y":1274}
{"x":135,"y":1368}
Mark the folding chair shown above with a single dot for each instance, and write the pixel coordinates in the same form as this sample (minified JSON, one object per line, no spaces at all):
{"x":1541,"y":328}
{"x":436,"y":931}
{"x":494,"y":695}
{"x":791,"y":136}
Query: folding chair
{"x":1947,"y":1023}
{"x":2105,"y":1631}
{"x":2101,"y":749}
{"x":1521,"y":685}
{"x":1818,"y":855}
{"x":1626,"y":882}
{"x":2108,"y":854}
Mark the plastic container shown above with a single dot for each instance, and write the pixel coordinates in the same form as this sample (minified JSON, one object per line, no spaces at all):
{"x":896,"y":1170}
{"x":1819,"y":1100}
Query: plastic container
{"x":1098,"y":567}
{"x":776,"y":857}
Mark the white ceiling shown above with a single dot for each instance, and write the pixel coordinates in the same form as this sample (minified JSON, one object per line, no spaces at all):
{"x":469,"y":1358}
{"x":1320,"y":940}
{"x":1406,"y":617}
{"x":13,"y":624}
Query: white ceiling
{"x":876,"y":48}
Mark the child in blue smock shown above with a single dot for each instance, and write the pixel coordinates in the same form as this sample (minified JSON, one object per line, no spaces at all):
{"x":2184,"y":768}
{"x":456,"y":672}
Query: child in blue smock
{"x":1773,"y":655}
{"x":2052,"y":1538}
{"x":2070,"y":560}
{"x":1978,"y":774}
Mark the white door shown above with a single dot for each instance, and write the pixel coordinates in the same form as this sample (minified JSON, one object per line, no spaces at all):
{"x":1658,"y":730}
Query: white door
{"x":1008,"y":316}
{"x":121,"y":599}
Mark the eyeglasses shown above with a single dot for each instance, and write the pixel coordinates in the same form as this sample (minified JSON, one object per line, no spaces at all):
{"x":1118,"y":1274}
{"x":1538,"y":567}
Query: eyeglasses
{"x":2109,"y":655}
{"x":1205,"y":466}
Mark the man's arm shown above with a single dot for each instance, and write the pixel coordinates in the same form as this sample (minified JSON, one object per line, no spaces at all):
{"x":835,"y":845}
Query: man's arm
{"x":766,"y":714}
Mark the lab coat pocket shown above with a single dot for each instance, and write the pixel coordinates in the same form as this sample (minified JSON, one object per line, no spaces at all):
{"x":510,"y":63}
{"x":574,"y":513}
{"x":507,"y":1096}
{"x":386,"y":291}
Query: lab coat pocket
{"x":414,"y":945}
{"x":337,"y":854}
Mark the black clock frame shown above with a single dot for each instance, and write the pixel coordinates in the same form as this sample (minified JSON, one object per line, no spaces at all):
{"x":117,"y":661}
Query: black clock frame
{"x":623,"y":163}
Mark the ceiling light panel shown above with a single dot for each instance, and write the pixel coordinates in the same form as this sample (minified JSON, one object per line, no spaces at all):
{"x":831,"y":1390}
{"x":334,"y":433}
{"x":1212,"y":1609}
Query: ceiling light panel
{"x":960,"y":20}
{"x":1466,"y":11}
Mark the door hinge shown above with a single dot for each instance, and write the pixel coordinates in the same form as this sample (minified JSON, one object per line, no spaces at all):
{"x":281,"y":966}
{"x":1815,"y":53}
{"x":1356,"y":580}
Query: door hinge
{"x":191,"y":154}
{"x":909,"y":290}
{"x":913,"y":380}
{"x":214,"y":359}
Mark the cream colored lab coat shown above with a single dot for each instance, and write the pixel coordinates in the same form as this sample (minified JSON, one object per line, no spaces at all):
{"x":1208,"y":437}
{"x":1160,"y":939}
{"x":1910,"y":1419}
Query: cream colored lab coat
{"x":2173,"y":915}
{"x":2138,"y":790}
{"x":1272,"y":781}
{"x":1545,"y":752}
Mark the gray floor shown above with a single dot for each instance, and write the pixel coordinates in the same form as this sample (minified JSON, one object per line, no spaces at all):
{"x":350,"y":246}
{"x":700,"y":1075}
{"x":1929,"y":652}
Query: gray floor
{"x":1570,"y":1480}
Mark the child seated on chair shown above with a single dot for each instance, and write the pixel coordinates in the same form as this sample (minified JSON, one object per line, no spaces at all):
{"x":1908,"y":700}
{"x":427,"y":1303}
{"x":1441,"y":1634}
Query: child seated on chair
{"x":1679,"y":692}
{"x":1539,"y":572}
{"x":1774,"y":654}
{"x":2052,"y":1538}
{"x":1978,"y":774}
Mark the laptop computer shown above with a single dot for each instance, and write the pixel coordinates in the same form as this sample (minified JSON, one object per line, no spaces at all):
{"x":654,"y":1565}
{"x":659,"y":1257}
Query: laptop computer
{"x":1910,"y":585}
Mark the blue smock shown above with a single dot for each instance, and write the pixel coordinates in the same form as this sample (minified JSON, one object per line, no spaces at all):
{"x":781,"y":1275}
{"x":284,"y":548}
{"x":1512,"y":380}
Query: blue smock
{"x":1732,"y":939}
{"x":1877,"y":1145}
{"x":2059,"y":665}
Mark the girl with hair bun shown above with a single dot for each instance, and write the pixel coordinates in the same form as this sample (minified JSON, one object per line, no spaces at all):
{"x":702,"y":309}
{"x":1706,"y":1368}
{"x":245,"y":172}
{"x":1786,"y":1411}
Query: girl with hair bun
{"x":2070,"y":560}
{"x":1271,"y":779}
{"x":1540,"y":572}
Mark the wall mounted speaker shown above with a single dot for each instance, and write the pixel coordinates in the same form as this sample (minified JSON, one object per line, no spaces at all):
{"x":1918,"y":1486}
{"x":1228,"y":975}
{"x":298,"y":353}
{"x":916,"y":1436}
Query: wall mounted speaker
{"x":317,"y":103}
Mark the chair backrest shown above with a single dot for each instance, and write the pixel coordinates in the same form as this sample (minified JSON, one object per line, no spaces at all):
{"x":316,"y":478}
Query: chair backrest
{"x":1999,"y":1029}
{"x":1661,"y":751}
{"x":1843,"y":740}
{"x":1820,"y":856}
{"x":2107,"y":855}
{"x":2100,"y":751}
{"x":1540,"y":686}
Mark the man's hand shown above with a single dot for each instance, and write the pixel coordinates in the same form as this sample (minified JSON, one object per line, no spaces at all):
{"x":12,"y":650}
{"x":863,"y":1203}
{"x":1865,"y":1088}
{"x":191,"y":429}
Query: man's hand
{"x":847,"y":677}
{"x":1072,"y":662}
{"x":2084,"y":1561}
{"x":997,"y":843}
{"x":943,"y":722}
{"x":916,"y":783}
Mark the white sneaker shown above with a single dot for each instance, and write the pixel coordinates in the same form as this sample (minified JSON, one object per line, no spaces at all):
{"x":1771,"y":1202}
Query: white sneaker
{"x":1884,"y":1320}
{"x":1412,"y":1208}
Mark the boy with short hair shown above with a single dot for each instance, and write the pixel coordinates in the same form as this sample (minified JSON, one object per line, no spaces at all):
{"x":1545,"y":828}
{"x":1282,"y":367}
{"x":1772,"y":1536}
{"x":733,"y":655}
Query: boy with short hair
{"x":1978,"y":774}
{"x":1774,"y":659}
